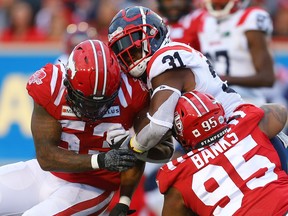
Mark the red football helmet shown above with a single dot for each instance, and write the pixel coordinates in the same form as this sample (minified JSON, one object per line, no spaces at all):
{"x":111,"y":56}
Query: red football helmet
{"x":222,"y":8}
{"x":92,"y":79}
{"x":135,"y":34}
{"x":198,"y":120}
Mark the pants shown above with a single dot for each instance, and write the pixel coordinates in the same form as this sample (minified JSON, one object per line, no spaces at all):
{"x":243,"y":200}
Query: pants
{"x":28,"y":190}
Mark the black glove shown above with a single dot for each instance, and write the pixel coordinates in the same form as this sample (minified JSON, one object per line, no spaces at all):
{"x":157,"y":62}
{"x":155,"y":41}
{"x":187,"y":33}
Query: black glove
{"x":117,"y":160}
{"x":121,"y":209}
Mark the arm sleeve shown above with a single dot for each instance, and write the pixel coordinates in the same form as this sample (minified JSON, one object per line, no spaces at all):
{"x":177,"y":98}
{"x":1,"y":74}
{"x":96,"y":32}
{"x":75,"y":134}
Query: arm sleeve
{"x":160,"y":123}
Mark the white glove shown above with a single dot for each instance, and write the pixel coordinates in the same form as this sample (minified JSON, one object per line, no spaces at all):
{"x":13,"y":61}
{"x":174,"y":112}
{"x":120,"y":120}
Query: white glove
{"x":118,"y":137}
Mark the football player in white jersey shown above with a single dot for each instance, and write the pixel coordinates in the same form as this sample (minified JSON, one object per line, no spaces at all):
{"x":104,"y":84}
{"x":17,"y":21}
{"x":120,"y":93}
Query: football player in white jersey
{"x":141,"y":42}
{"x":235,"y":38}
{"x":76,"y":171}
{"x":231,"y":167}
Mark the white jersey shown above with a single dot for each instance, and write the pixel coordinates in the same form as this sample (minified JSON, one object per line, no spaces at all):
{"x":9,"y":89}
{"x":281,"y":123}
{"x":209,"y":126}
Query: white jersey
{"x":175,"y":55}
{"x":225,"y":43}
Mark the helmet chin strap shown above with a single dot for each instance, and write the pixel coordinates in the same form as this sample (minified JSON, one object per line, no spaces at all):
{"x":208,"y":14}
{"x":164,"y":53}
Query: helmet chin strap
{"x":140,"y":67}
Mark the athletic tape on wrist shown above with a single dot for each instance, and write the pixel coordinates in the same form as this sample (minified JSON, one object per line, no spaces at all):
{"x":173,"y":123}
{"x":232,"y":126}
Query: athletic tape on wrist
{"x":125,"y":200}
{"x":133,"y":143}
{"x":94,"y":161}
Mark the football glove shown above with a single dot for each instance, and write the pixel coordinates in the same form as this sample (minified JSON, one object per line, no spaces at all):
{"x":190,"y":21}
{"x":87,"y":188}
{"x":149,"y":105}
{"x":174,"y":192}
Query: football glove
{"x":121,"y":209}
{"x":117,"y":160}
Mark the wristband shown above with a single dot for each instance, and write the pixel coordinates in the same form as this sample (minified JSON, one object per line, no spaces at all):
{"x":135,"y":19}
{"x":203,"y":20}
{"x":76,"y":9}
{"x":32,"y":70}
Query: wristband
{"x":125,"y":200}
{"x":94,"y":161}
{"x":133,"y":142}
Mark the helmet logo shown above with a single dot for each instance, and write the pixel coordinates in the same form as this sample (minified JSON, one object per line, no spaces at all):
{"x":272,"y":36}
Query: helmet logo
{"x":196,"y":133}
{"x":178,"y":124}
{"x":37,"y":77}
{"x":71,"y":65}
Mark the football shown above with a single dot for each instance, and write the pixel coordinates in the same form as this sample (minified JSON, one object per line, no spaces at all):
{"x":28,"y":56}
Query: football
{"x":161,"y":153}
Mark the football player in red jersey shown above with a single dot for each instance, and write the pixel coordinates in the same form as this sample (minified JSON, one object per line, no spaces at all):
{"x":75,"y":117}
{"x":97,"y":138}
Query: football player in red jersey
{"x":231,"y":167}
{"x":76,"y":171}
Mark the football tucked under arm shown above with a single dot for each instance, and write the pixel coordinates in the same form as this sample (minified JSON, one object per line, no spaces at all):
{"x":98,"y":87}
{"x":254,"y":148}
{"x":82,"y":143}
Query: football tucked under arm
{"x":161,"y":153}
{"x":119,"y":138}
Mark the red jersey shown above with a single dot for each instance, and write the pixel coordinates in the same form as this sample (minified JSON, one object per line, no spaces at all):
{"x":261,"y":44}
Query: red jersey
{"x":46,"y":87}
{"x":185,"y":30}
{"x":239,"y":175}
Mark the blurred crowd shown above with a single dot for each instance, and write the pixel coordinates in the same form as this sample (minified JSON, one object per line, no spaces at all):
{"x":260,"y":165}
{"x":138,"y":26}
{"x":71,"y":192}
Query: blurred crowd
{"x":46,"y":20}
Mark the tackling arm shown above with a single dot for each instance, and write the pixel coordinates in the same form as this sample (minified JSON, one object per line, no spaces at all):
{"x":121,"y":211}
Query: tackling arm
{"x":47,"y":134}
{"x":274,"y":119}
{"x":130,"y":179}
{"x":129,"y":182}
{"x":272,"y":123}
{"x":174,"y":204}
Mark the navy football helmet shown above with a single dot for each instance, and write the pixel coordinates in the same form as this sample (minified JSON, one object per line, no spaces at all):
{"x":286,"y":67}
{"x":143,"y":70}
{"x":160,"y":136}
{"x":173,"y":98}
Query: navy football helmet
{"x":135,"y":34}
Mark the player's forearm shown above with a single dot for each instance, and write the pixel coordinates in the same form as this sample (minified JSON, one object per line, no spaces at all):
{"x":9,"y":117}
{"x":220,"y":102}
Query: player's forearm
{"x":61,"y":160}
{"x":130,"y":180}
